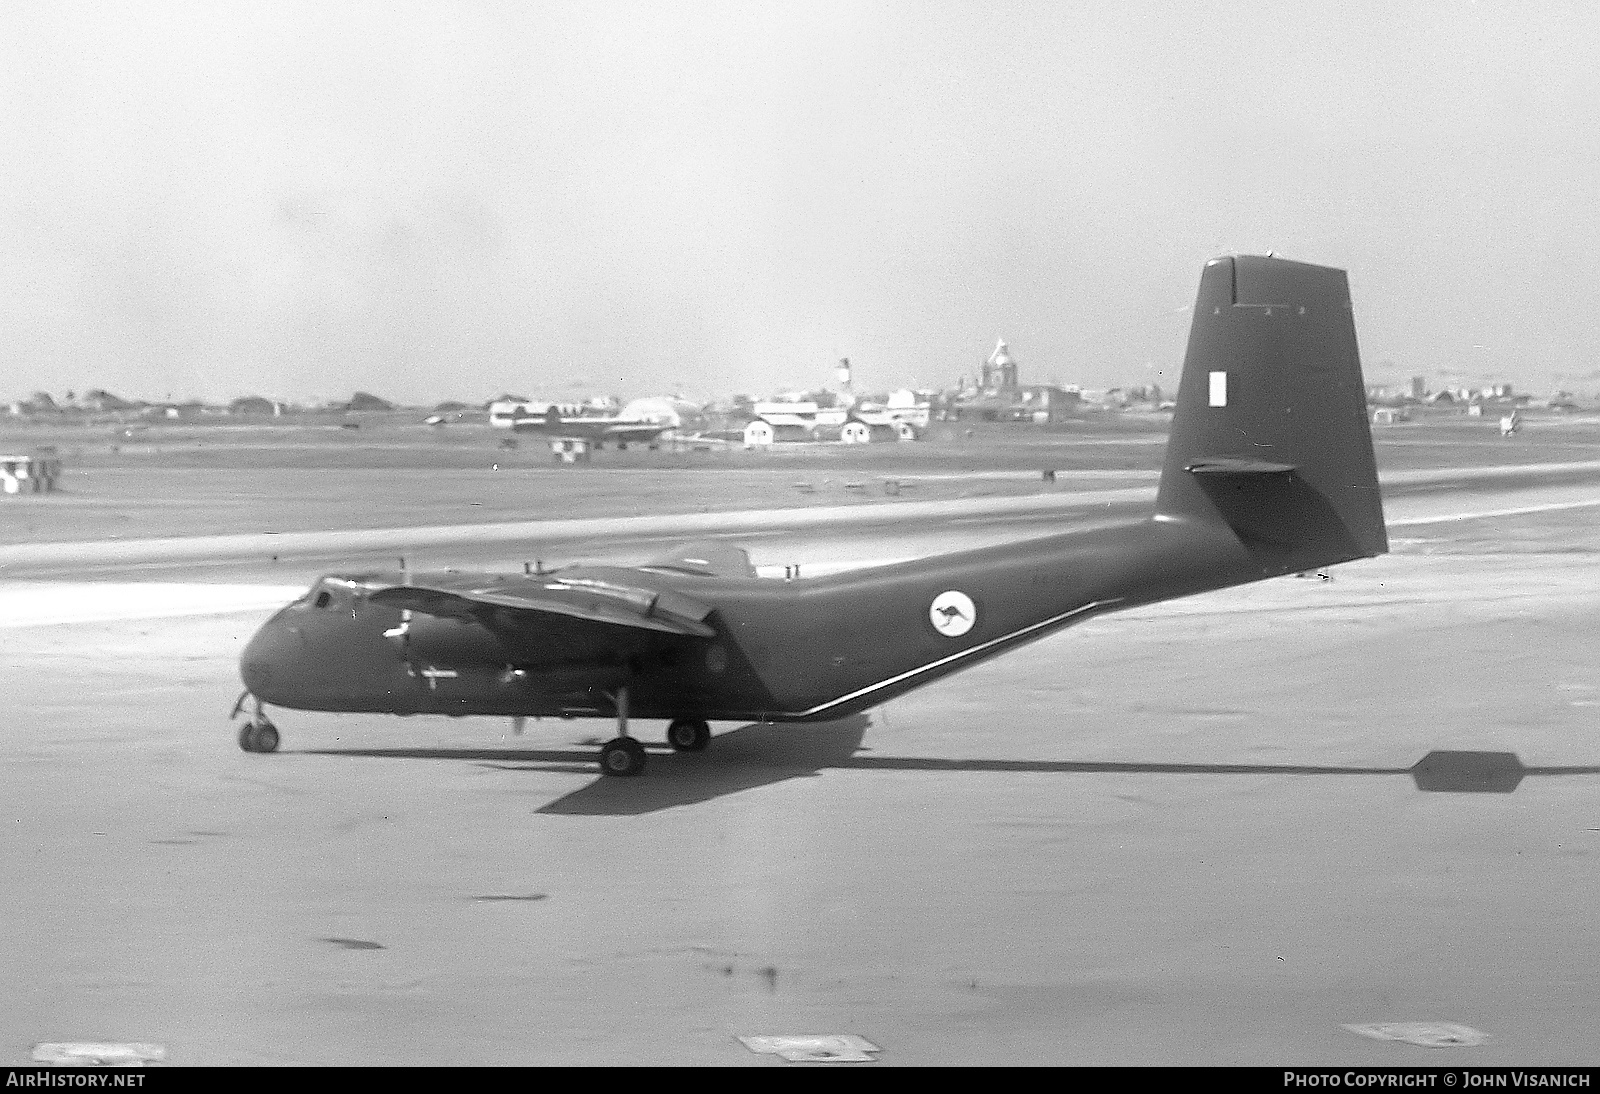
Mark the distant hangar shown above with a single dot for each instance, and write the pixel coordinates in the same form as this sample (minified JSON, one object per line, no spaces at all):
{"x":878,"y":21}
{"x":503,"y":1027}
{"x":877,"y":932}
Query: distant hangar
{"x":782,"y":422}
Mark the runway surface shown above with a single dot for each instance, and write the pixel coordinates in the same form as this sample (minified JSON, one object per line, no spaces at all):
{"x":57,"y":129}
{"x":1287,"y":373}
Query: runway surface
{"x":1213,"y":831}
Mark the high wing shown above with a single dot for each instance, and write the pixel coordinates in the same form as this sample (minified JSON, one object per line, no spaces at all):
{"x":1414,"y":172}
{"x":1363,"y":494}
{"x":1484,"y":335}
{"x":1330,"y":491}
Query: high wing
{"x":708,"y":558}
{"x":593,"y":599}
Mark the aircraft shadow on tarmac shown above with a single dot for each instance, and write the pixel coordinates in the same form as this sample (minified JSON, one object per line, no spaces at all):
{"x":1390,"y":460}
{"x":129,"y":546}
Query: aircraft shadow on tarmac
{"x":761,"y":755}
{"x":741,"y":759}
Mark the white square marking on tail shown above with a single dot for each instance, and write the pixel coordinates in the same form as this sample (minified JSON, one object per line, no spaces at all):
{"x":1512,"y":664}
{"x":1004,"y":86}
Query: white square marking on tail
{"x":1219,"y":389}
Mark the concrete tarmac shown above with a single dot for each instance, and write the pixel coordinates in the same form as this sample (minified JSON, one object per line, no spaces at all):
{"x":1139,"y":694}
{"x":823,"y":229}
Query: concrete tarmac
{"x":1214,"y":831}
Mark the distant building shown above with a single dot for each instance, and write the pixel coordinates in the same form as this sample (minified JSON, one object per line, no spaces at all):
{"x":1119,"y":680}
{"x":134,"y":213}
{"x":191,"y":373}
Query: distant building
{"x":843,"y":388}
{"x":1126,"y":396}
{"x":1001,"y":397}
{"x":783,"y":421}
{"x":761,"y":432}
{"x":174,"y":411}
{"x":1000,"y":370}
{"x":1046,"y":403}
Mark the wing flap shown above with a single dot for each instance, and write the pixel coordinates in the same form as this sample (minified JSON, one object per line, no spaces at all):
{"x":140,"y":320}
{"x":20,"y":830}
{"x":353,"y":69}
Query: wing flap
{"x":599,"y":602}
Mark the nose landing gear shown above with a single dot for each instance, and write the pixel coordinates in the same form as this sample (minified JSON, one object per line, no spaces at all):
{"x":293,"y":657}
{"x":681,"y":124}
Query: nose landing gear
{"x":258,"y":734}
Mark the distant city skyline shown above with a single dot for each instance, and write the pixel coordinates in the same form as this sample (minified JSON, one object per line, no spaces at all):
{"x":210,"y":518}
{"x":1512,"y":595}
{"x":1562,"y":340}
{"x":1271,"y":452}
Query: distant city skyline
{"x":437,"y":201}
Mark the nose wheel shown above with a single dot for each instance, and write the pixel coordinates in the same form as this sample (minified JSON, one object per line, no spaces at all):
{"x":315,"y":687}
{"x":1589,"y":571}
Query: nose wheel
{"x":258,"y":734}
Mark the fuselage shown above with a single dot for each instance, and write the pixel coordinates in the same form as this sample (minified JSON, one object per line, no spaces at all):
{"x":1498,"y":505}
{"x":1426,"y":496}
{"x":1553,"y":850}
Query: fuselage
{"x":783,"y":651}
{"x":1269,"y":469}
{"x":569,"y":421}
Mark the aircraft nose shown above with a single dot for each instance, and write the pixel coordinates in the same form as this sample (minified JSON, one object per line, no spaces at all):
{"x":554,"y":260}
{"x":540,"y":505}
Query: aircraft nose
{"x":267,"y":659}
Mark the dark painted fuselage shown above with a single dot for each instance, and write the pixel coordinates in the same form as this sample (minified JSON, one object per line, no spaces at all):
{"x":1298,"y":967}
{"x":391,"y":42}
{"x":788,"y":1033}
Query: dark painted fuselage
{"x":801,"y":650}
{"x":1269,"y":470}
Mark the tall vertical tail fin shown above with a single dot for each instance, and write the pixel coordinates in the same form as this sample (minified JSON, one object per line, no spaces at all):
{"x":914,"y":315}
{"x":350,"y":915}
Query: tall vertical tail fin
{"x":1270,"y":434}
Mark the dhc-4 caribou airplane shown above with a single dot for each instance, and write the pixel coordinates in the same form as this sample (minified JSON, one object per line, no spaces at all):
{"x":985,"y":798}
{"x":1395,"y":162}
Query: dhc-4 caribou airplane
{"x":1268,"y":471}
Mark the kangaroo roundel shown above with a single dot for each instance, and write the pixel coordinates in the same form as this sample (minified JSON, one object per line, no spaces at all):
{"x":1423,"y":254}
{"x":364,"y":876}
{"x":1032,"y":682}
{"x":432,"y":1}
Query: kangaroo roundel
{"x":952,"y":614}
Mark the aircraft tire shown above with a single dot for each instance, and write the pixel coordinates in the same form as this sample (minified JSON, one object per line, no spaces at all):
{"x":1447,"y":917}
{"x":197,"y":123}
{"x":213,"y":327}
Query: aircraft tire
{"x":622,"y":756}
{"x":688,"y":735}
{"x":259,"y":738}
{"x":266,"y":737}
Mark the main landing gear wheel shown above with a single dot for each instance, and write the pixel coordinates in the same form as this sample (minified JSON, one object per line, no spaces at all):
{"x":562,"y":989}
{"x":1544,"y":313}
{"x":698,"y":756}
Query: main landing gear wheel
{"x":259,"y":737}
{"x":622,"y":756}
{"x":688,"y":735}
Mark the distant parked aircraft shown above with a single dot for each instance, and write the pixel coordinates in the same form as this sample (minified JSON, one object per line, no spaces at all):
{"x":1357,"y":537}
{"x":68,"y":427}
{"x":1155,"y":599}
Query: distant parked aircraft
{"x":554,"y":420}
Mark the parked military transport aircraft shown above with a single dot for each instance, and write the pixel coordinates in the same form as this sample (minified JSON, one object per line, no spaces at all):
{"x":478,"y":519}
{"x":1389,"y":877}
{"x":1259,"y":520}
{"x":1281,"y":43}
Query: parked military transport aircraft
{"x":556,"y":421}
{"x":1269,"y":471}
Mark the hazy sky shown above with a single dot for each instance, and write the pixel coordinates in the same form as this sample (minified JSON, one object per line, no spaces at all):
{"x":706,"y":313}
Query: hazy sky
{"x":437,"y":200}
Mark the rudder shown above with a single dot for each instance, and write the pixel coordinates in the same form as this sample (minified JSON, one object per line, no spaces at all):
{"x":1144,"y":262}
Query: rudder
{"x":1270,"y":434}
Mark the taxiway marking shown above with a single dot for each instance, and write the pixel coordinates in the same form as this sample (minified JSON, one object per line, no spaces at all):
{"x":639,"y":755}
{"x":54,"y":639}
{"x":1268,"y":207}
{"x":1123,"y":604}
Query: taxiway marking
{"x":1521,"y":510}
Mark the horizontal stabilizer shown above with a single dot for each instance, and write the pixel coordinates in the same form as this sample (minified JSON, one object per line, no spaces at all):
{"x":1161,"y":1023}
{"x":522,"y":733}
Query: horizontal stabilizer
{"x":596,"y":601}
{"x":1234,"y":465}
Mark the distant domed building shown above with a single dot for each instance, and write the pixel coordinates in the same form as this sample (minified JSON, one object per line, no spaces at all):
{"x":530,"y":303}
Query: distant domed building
{"x":1000,"y":370}
{"x":1001,"y":397}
